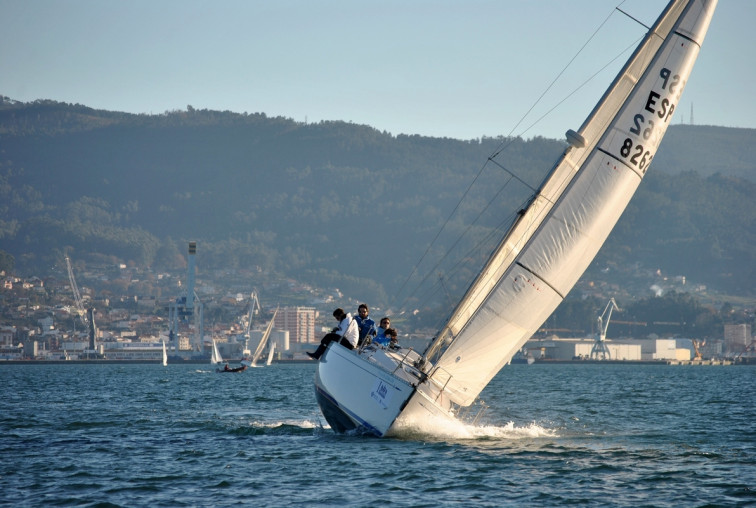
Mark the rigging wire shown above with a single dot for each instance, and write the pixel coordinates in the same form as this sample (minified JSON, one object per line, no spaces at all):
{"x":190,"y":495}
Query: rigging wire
{"x":506,"y":142}
{"x":551,"y":85}
{"x":504,"y":225}
{"x":454,"y":245}
{"x":634,"y":18}
{"x":583,"y":84}
{"x":441,"y":229}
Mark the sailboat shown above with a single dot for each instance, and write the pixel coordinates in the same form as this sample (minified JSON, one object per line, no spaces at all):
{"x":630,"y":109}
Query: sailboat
{"x":264,"y":341}
{"x":165,"y":355}
{"x":215,"y":356}
{"x":540,"y":258}
{"x":271,"y":352}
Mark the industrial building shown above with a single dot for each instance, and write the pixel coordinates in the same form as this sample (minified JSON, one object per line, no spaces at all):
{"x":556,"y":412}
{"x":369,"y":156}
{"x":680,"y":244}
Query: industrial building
{"x":555,"y":348}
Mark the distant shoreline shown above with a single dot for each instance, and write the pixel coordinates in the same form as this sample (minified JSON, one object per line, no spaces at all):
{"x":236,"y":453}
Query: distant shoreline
{"x":748,"y":361}
{"x":643,"y":362}
{"x":131,"y":362}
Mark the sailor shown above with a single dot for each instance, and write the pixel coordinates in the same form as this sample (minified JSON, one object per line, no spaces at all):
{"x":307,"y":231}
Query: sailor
{"x":365,"y":324}
{"x":380,"y":337}
{"x":385,"y":325}
{"x":387,"y":338}
{"x":391,"y":334}
{"x":347,"y":334}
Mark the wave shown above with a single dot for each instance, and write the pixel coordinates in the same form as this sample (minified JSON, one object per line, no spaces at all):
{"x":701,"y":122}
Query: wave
{"x":280,"y":427}
{"x":445,"y":429}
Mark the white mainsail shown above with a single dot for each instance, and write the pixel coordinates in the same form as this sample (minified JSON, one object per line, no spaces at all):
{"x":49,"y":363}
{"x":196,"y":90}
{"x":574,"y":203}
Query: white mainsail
{"x":215,"y":356}
{"x":264,"y":338}
{"x":271,"y":352}
{"x":165,"y":355}
{"x":560,"y":232}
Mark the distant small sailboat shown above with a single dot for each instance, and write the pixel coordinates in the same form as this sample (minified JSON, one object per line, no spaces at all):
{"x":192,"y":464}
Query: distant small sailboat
{"x":240,"y":368}
{"x":522,"y":356}
{"x":264,"y":340}
{"x":165,"y":355}
{"x":215,"y":356}
{"x":271,"y":351}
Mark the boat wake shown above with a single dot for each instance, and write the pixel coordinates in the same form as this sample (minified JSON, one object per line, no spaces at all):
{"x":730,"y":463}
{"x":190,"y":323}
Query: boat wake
{"x":428,"y":429}
{"x":302,"y":424}
{"x":511,"y":431}
{"x":280,"y":427}
{"x":447,"y":429}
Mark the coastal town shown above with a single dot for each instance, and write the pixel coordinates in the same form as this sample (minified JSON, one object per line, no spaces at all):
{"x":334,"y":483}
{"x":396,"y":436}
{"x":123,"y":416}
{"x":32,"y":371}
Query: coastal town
{"x":47,"y":318}
{"x":102,"y":313}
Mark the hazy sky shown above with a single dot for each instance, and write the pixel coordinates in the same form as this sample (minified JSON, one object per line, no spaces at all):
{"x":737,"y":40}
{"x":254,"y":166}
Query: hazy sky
{"x":462,"y":69}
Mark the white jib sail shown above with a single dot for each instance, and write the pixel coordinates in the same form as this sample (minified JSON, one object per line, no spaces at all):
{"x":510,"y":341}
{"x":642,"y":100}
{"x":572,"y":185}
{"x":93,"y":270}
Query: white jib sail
{"x":264,"y":338}
{"x":561,"y":231}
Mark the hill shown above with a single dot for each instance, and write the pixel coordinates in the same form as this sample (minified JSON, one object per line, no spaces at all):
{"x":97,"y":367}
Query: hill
{"x":334,"y":203}
{"x":708,"y":150}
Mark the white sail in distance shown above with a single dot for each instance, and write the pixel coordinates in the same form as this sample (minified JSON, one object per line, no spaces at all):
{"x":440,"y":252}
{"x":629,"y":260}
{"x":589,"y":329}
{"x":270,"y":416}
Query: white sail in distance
{"x":264,"y":338}
{"x":560,"y":232}
{"x":215,"y":356}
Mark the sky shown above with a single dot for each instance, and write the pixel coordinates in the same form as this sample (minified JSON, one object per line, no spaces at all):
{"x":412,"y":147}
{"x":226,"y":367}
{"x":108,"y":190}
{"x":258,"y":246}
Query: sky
{"x":441,"y":68}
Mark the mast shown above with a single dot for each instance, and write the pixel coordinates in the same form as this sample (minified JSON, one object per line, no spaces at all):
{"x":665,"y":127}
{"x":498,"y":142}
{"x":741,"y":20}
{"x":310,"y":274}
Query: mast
{"x":557,"y":236}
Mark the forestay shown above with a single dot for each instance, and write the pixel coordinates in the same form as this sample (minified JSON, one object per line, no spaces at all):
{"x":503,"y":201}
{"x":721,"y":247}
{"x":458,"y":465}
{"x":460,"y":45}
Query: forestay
{"x":557,"y":236}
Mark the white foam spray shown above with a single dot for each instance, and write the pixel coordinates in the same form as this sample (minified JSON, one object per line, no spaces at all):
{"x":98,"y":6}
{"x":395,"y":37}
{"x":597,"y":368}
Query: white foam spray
{"x":443,"y":428}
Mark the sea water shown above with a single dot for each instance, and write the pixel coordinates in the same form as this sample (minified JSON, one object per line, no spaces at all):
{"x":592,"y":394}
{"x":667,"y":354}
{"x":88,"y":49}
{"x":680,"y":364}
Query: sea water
{"x":184,"y":435}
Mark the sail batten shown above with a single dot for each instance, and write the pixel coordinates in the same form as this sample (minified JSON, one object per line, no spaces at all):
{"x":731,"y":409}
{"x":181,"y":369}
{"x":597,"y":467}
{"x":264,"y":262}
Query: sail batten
{"x":560,"y":232}
{"x":541,"y":279}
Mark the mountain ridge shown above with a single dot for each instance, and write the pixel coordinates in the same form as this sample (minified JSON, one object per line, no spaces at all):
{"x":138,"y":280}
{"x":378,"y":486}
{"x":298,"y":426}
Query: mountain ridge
{"x":333,"y":202}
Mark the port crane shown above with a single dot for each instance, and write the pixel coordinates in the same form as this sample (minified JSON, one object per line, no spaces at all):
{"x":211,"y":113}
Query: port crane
{"x":254,"y":308}
{"x":85,"y":314}
{"x":600,"y":351}
{"x":697,"y":347}
{"x":78,"y":302}
{"x":186,"y":308}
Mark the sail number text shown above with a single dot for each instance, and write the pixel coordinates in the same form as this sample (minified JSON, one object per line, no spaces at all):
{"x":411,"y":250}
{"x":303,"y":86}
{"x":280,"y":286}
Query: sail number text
{"x":657,"y":109}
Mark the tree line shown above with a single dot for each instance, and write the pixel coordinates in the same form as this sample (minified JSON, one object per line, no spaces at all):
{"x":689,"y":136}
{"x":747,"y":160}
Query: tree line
{"x":333,"y":202}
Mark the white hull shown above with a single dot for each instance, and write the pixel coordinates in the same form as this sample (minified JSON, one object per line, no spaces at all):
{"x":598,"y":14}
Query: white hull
{"x":366,"y":392}
{"x":369,"y":397}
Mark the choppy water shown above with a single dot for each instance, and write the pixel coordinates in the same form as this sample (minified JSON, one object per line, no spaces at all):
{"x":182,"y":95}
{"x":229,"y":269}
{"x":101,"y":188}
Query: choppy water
{"x":592,"y":435}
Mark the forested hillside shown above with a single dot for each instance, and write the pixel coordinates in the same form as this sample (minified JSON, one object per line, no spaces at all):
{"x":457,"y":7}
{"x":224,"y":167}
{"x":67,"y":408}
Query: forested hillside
{"x":334,"y":203}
